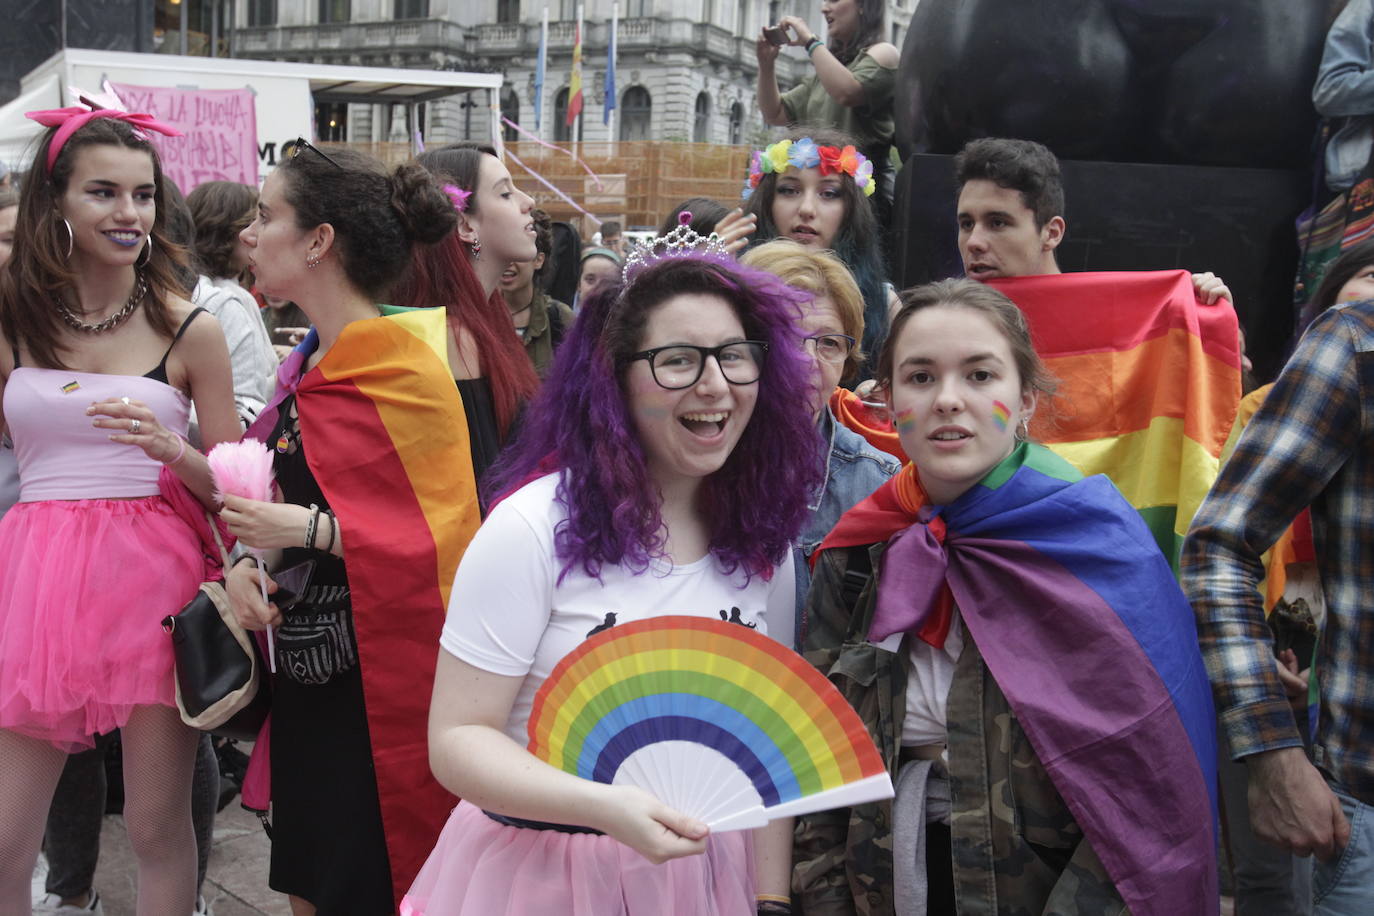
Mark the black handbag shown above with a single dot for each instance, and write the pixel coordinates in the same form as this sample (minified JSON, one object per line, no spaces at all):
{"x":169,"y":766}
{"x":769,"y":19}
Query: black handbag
{"x":219,"y":682}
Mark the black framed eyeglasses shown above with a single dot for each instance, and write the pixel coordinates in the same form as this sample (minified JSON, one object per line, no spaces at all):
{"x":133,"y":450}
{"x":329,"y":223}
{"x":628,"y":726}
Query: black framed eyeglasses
{"x":301,"y":143}
{"x":680,"y":366}
{"x":829,"y":348}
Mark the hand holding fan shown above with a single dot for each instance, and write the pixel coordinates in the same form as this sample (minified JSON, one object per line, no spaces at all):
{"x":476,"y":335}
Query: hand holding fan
{"x":244,"y":468}
{"x":713,"y":718}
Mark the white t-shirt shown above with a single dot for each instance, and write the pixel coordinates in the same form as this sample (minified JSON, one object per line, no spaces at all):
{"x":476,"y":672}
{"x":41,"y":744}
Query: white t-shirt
{"x":509,"y":614}
{"x":929,"y":674}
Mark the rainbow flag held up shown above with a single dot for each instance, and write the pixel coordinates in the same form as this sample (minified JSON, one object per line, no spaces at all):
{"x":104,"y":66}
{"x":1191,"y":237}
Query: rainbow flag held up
{"x":386,"y":439}
{"x":1149,"y":385}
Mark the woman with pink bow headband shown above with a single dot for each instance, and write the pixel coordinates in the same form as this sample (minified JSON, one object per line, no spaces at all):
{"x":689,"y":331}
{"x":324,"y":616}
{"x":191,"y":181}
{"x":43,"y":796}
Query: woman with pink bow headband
{"x":101,"y":360}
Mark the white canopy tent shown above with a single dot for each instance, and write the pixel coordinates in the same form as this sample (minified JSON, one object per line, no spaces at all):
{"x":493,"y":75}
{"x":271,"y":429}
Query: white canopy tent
{"x":285,"y":92}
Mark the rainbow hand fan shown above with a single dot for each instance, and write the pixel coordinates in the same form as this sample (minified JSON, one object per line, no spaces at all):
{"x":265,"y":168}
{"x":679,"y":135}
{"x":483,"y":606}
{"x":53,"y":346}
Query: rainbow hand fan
{"x":713,"y":718}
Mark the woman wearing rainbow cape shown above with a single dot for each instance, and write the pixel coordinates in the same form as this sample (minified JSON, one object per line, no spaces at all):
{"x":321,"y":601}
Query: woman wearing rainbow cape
{"x":663,"y":469}
{"x":1020,"y":651}
{"x":370,"y":450}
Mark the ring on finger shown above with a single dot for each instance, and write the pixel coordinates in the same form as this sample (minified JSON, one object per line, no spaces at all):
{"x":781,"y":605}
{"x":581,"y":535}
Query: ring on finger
{"x":134,"y":427}
{"x":124,"y":401}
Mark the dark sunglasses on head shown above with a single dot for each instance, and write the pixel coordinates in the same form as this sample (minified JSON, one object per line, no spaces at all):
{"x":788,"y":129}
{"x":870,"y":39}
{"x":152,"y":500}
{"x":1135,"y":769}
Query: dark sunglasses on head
{"x":300,"y":143}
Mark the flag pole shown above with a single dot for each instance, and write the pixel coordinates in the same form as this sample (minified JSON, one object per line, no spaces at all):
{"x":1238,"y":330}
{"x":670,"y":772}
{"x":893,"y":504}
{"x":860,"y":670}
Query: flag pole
{"x":539,"y":75}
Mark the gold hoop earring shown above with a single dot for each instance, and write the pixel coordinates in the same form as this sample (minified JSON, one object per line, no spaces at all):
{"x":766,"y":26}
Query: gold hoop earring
{"x":146,"y":255}
{"x":71,"y":238}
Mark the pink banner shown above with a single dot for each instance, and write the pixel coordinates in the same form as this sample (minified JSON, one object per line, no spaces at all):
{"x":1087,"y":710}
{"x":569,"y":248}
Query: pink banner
{"x":220,"y":127}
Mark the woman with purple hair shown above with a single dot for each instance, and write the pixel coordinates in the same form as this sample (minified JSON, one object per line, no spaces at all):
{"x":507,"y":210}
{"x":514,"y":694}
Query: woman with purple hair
{"x":664,"y":468}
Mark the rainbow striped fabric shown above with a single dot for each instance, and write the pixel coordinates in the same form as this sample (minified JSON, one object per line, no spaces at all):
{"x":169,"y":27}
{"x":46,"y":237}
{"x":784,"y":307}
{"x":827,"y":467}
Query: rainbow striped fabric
{"x":386,"y":440}
{"x":711,"y":690}
{"x":1083,"y":626}
{"x":1149,"y":384}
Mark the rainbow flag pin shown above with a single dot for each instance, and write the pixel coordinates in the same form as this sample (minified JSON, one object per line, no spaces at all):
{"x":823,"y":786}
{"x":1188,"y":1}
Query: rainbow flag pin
{"x":71,"y":386}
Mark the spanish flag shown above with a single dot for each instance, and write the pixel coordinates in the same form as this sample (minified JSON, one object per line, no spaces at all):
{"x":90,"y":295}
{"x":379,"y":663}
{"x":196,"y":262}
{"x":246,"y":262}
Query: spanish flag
{"x":575,"y":81}
{"x":1149,"y":385}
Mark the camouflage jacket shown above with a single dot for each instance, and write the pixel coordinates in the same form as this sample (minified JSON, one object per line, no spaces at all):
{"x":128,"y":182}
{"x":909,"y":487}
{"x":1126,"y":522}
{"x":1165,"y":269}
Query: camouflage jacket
{"x":1016,"y":847}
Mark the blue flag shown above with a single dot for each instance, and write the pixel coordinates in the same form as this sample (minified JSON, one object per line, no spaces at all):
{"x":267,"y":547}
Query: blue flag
{"x":610,"y":66}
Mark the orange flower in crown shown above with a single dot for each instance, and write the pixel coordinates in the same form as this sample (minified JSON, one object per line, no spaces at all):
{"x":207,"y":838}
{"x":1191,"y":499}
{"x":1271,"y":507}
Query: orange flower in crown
{"x":804,"y":153}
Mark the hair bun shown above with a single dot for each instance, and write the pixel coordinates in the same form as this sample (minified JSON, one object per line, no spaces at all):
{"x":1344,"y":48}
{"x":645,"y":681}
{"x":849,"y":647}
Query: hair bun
{"x":425,"y":211}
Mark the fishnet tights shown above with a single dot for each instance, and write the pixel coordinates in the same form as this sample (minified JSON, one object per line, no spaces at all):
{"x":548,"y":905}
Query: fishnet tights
{"x":159,"y":752}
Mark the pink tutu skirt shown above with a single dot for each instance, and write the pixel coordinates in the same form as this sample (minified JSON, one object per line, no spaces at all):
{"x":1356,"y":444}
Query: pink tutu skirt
{"x":482,"y":868}
{"x":84,"y":585}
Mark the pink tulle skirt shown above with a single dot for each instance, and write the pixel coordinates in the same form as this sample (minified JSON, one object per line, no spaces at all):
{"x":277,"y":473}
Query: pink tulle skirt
{"x":482,"y":868}
{"x":84,"y":585}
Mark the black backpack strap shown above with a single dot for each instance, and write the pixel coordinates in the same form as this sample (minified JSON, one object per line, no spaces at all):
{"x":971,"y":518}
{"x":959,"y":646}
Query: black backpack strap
{"x":858,"y":572}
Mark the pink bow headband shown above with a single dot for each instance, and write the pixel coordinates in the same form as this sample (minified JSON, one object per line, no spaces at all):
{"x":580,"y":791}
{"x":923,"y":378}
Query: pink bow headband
{"x":69,"y":120}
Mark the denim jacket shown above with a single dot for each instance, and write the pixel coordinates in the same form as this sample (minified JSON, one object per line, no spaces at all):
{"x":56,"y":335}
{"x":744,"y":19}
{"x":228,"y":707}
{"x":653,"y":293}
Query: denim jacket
{"x":853,"y":470}
{"x":1345,"y":89}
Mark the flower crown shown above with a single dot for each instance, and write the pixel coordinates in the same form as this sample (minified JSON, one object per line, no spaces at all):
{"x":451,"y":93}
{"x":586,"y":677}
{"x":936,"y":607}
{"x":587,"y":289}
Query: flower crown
{"x":805,"y":154}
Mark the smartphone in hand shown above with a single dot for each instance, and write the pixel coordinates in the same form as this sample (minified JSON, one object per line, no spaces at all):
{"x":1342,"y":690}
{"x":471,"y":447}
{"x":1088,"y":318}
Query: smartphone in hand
{"x":776,"y":35}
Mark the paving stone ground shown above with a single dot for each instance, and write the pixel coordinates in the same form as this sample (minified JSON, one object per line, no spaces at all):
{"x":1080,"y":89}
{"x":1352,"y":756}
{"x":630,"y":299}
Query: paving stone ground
{"x":235,"y":883}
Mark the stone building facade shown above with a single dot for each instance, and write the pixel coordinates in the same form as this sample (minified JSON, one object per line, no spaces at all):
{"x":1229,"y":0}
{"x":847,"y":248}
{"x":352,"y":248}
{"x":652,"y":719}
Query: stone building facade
{"x":685,"y":69}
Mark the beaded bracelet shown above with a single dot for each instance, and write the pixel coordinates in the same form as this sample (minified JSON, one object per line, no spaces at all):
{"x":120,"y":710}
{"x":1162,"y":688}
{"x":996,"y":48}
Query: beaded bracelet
{"x":310,"y":527}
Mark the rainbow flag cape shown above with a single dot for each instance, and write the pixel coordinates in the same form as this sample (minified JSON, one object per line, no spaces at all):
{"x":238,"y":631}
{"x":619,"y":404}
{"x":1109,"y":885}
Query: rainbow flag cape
{"x":1149,"y":383}
{"x":1083,"y":626}
{"x":387,"y":441}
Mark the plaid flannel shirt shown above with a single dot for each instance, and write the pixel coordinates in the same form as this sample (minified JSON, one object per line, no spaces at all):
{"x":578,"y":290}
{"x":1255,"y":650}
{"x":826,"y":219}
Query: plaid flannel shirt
{"x":1310,"y":443}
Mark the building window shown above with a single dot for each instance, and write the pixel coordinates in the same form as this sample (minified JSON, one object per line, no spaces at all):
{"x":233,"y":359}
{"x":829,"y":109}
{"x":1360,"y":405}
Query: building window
{"x":701,"y":126}
{"x":562,"y":133}
{"x":333,"y":11}
{"x":262,"y":12}
{"x":331,"y":122}
{"x":736,"y":124}
{"x":510,"y":110}
{"x":633,"y":9}
{"x":567,"y":10}
{"x":507,"y":11}
{"x":411,"y":9}
{"x":742,"y":18}
{"x":635,"y":108}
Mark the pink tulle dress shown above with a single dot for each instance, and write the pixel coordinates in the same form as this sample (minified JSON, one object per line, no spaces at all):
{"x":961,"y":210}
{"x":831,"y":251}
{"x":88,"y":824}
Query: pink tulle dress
{"x":481,"y":867}
{"x":91,"y":559}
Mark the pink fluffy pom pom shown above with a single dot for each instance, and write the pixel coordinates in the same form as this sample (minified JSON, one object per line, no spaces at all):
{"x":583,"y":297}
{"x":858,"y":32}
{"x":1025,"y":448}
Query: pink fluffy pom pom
{"x":242,"y":468}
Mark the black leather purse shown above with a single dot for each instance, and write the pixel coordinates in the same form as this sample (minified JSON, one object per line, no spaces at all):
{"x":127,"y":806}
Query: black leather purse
{"x":219,"y":682}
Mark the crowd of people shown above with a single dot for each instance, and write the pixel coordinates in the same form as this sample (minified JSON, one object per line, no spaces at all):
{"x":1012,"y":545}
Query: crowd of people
{"x":491,"y":441}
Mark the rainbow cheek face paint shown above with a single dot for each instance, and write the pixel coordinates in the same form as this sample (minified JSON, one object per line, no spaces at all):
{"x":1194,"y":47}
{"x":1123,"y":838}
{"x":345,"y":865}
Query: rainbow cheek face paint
{"x":906,"y":421}
{"x":1000,"y":415}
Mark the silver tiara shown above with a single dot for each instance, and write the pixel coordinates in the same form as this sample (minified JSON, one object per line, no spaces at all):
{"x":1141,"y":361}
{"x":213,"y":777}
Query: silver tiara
{"x":681,"y":241}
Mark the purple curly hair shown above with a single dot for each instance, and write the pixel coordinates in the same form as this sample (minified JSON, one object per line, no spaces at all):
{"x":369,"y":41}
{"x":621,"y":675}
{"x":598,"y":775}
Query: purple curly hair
{"x":580,"y":424}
